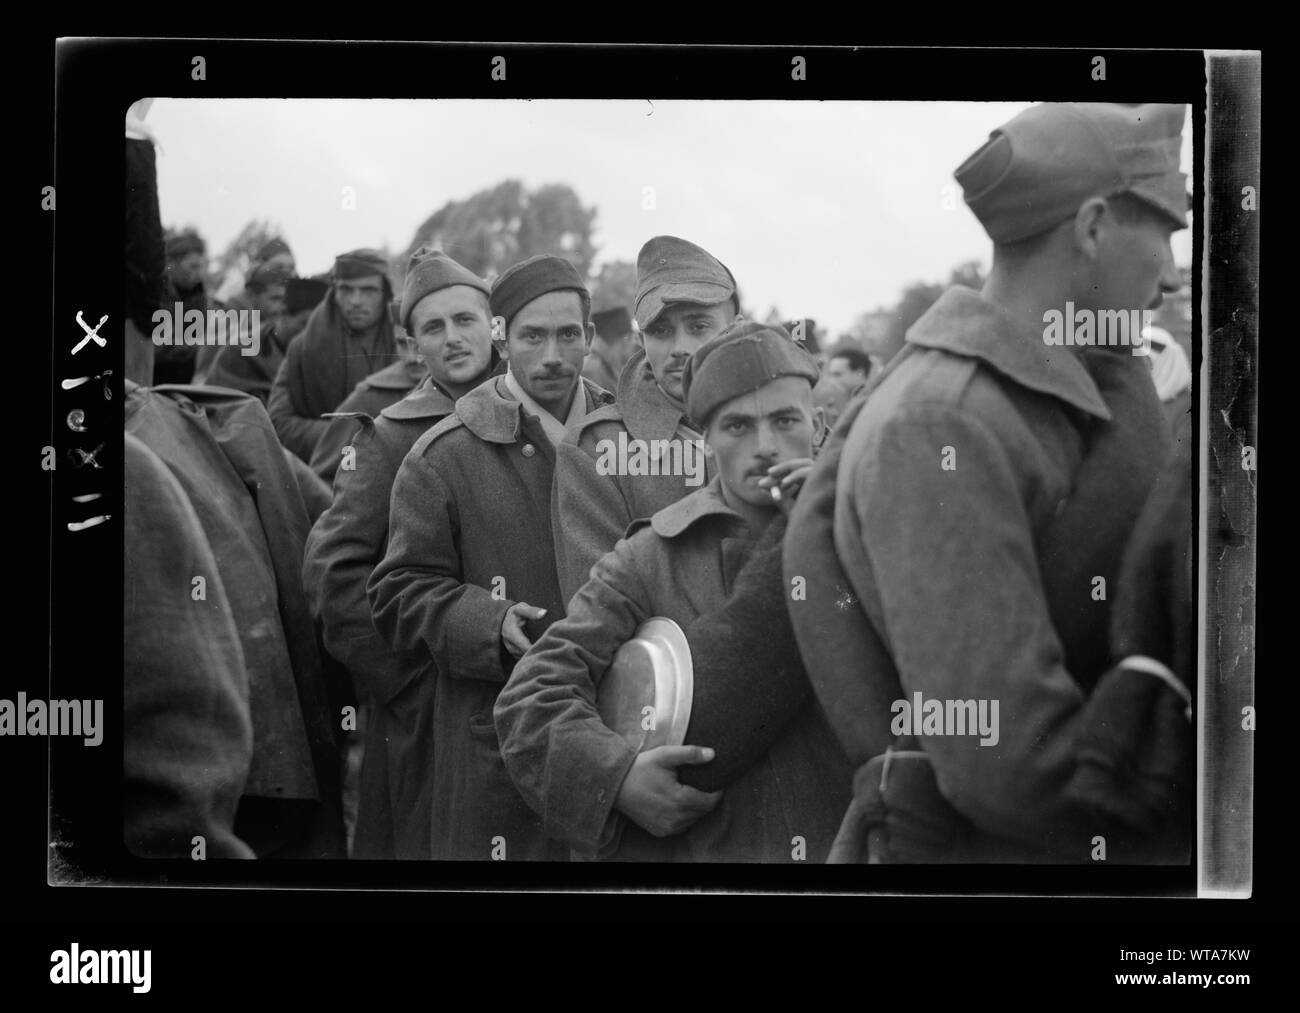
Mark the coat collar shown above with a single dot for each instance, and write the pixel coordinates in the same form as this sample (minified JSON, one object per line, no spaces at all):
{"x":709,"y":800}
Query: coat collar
{"x":430,"y":399}
{"x":426,"y":401}
{"x":494,"y":417}
{"x":964,"y":323}
{"x":647,"y":411}
{"x":676,"y":518}
{"x":400,"y":375}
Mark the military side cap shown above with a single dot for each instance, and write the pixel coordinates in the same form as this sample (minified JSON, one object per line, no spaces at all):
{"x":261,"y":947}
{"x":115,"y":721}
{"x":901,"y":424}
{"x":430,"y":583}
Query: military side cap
{"x":1036,"y":170}
{"x":429,"y":271}
{"x":303,"y":294}
{"x":185,"y":243}
{"x":612,"y":324}
{"x":746,"y":356}
{"x":672,"y":270}
{"x":359,"y":264}
{"x":521,"y":284}
{"x":645,"y":695}
{"x":272,"y":247}
{"x":261,"y":275}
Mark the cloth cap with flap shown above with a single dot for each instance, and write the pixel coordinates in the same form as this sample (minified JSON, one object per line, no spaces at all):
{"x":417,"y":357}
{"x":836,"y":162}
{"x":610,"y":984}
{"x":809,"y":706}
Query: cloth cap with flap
{"x":1036,"y":170}
{"x":671,"y":270}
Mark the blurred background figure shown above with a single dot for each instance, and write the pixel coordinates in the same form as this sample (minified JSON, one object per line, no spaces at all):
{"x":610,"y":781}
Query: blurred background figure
{"x":187,"y":263}
{"x":610,"y":349}
{"x":145,"y":261}
{"x":831,"y":396}
{"x":804,"y":332}
{"x":849,"y":365}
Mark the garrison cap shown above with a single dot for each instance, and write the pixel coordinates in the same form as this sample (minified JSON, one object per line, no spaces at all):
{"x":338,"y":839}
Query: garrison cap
{"x":612,"y":324}
{"x":670,"y":270}
{"x":185,"y":243}
{"x":746,"y":356}
{"x":273,"y":247}
{"x":521,"y":284}
{"x":1036,"y":170}
{"x":429,"y":271}
{"x":261,"y":275}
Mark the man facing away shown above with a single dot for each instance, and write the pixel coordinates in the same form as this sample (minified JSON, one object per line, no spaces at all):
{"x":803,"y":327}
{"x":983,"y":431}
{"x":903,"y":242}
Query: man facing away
{"x":980,"y":501}
{"x":469,"y":573}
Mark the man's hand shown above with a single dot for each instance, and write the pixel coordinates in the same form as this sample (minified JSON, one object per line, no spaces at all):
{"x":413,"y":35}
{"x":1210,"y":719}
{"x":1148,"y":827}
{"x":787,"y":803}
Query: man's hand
{"x":652,"y":798}
{"x":787,"y":478}
{"x":512,"y":627}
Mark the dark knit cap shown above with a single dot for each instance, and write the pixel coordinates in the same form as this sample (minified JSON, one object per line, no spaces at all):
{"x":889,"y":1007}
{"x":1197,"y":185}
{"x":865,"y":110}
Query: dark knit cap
{"x":429,"y":271}
{"x":746,"y":356}
{"x":530,"y":278}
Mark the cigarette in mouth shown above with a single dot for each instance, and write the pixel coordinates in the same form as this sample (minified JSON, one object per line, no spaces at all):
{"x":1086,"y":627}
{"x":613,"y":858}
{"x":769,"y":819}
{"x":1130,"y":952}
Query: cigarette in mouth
{"x":776,"y":494}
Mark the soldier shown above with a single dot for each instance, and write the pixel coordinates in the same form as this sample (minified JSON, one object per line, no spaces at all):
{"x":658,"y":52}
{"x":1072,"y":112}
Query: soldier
{"x":347,"y":338}
{"x":469,"y":574}
{"x":974,"y":508}
{"x":610,"y":349}
{"x":446,"y":308}
{"x":751,"y":390}
{"x":684,"y":296}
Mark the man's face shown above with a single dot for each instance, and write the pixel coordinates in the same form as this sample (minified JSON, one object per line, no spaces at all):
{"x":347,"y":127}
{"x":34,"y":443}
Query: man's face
{"x":269,"y":302}
{"x":187,"y":271}
{"x":452,"y":331}
{"x":1135,"y":263}
{"x":675,"y":334}
{"x":842,"y":370}
{"x":361,"y":300}
{"x":546,"y":343}
{"x":752,"y":432}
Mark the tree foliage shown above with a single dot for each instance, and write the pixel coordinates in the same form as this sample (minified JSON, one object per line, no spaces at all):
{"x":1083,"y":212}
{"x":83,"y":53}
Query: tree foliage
{"x":504,"y":224}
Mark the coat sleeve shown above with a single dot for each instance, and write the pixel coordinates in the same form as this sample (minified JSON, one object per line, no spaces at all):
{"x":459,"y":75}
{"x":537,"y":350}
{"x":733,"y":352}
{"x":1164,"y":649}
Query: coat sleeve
{"x":565,"y":761}
{"x":418,"y":593}
{"x":966,"y":616}
{"x":589,"y":514}
{"x":749,"y":680}
{"x":338,"y":433}
{"x":298,"y":433}
{"x":342,"y":550}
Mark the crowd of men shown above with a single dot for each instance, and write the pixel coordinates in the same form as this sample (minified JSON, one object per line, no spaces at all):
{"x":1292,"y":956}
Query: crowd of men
{"x":417,"y":564}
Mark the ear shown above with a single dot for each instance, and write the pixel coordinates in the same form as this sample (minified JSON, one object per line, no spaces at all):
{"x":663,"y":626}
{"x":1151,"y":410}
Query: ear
{"x":591,"y":334}
{"x":1089,"y":223}
{"x":819,"y":424}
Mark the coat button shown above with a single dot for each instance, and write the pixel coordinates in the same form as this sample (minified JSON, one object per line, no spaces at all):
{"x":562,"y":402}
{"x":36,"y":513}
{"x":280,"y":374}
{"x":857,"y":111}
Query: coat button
{"x":600,"y":795}
{"x":529,"y":450}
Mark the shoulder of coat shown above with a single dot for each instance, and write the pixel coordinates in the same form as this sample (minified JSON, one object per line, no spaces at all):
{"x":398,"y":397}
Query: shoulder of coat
{"x":608,"y":418}
{"x":449,"y":424}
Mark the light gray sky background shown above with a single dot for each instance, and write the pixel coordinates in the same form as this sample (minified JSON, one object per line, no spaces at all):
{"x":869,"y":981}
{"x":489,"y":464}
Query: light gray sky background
{"x":823,"y":209}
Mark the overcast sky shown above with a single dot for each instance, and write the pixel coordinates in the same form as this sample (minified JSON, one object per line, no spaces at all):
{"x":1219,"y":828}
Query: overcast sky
{"x":823,"y":209}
